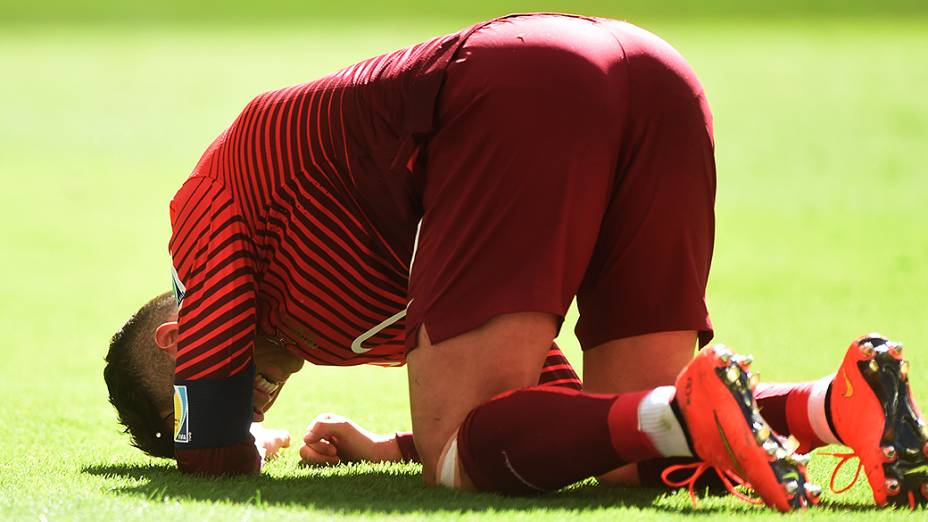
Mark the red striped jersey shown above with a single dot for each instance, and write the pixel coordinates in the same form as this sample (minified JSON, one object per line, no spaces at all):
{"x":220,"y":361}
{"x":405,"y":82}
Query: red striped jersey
{"x":557,"y":371}
{"x":298,"y":223}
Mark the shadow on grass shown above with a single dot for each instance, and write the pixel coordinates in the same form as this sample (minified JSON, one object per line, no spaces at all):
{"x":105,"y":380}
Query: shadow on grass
{"x":379,"y":489}
{"x":399,"y":489}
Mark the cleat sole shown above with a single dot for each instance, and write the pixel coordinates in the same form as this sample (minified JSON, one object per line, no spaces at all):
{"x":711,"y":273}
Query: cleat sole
{"x":904,"y":440}
{"x":789,"y":474}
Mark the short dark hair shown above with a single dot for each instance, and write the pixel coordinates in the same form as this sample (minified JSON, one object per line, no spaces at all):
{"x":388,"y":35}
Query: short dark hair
{"x":139,"y":375}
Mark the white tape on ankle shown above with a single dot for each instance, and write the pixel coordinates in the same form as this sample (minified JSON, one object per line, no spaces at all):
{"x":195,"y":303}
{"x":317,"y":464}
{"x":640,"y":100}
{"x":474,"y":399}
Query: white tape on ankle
{"x":448,"y":464}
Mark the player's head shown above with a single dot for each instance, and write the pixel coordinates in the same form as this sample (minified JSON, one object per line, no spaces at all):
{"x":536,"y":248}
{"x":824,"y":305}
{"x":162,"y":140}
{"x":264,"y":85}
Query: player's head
{"x":139,"y":374}
{"x":139,"y":377}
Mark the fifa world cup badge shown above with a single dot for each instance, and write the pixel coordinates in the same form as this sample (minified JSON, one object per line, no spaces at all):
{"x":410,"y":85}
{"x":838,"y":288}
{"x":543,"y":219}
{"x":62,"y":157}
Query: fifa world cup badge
{"x":179,"y":289}
{"x":181,"y":415}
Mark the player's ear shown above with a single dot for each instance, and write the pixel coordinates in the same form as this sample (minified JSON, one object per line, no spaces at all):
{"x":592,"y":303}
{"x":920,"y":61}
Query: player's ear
{"x":166,"y":337}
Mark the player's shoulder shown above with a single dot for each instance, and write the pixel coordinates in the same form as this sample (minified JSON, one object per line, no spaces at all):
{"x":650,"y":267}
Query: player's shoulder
{"x":196,"y":196}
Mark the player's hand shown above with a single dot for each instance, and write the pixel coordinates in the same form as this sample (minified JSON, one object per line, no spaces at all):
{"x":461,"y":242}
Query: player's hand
{"x":269,"y":441}
{"x":331,"y":439}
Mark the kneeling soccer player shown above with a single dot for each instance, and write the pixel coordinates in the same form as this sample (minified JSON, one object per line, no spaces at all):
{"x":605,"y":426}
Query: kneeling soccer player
{"x":546,"y":156}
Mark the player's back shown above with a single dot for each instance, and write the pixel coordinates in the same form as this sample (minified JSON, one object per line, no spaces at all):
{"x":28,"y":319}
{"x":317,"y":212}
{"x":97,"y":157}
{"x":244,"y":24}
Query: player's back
{"x":321,"y":178}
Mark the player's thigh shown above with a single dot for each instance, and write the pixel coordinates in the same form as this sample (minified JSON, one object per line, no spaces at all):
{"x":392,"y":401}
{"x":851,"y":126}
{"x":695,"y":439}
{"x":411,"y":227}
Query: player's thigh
{"x":637,"y":363}
{"x":449,"y":379}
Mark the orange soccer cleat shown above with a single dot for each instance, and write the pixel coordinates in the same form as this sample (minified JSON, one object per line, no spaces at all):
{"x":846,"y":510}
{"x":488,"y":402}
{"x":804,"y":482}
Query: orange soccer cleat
{"x":873,"y":412}
{"x":715,"y":396}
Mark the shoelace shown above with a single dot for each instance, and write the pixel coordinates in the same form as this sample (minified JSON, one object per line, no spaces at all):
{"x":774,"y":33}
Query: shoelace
{"x":728,"y":478}
{"x":845,"y":457}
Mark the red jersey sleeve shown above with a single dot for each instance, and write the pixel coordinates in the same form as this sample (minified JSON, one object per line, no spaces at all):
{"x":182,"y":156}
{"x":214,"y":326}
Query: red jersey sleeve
{"x":214,"y":279}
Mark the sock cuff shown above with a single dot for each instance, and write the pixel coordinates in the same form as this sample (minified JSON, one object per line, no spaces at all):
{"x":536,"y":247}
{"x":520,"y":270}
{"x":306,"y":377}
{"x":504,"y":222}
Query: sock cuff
{"x":657,"y":421}
{"x":818,"y":414}
{"x":628,"y":441}
{"x":797,"y":415}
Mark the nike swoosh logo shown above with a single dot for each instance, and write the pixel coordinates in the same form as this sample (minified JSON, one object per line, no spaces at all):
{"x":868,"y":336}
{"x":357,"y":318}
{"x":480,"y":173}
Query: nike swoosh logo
{"x":848,"y":387}
{"x":731,"y":454}
{"x":357,"y":346}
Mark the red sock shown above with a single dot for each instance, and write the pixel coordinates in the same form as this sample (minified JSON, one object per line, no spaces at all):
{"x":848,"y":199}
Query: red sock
{"x":786,"y":408}
{"x":543,"y":438}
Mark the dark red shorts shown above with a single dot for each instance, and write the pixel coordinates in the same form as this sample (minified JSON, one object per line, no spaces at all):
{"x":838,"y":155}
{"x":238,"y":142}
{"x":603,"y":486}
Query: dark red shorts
{"x":571,"y":157}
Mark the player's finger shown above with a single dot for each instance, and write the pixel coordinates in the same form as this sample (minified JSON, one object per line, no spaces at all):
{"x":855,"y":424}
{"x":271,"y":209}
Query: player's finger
{"x":323,"y":430}
{"x":279,"y":438}
{"x":326,"y":419}
{"x":309,"y":456}
{"x":324,"y":447}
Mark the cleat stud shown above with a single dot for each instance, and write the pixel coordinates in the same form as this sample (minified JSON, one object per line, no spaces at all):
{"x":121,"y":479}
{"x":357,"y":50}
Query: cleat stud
{"x":770,"y":447}
{"x":801,"y":459}
{"x":754,"y":380}
{"x":744,"y":361}
{"x":732,"y":374}
{"x":904,"y":369}
{"x":791,"y":444}
{"x":780,"y":454}
{"x":866,"y":349}
{"x":892,"y":486}
{"x":814,"y":490}
{"x":723,"y":353}
{"x":791,"y":487}
{"x":874,"y":366}
{"x":761,"y":433}
{"x":889,"y":452}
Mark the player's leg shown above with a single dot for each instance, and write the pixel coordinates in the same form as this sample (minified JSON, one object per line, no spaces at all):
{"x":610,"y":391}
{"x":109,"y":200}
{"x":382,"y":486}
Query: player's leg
{"x":509,"y":443}
{"x":447,"y":381}
{"x":639,"y":363}
{"x":869,"y":407}
{"x":517,"y":181}
{"x":529,"y":439}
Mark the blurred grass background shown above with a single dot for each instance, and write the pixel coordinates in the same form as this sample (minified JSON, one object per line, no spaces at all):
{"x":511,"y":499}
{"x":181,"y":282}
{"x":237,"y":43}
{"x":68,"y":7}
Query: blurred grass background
{"x":822,"y":142}
{"x":275,"y":11}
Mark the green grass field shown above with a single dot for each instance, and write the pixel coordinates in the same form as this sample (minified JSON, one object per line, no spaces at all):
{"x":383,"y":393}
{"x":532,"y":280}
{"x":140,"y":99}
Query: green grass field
{"x":822,"y":142}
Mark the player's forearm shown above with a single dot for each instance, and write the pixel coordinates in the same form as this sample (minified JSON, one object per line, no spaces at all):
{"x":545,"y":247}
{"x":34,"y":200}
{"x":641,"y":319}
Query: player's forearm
{"x":214,"y":416}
